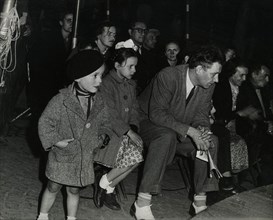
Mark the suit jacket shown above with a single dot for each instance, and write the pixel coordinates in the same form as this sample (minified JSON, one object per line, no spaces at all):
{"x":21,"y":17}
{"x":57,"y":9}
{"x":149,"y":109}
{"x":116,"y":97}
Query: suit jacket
{"x":164,"y":101}
{"x":248,"y":97}
{"x":222,"y":102}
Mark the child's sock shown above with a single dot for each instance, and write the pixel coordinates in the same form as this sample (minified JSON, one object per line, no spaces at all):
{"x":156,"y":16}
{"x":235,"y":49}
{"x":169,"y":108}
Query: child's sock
{"x":109,"y":189}
{"x":104,"y":183}
{"x":71,"y":218}
{"x":43,"y":216}
{"x":144,"y":199}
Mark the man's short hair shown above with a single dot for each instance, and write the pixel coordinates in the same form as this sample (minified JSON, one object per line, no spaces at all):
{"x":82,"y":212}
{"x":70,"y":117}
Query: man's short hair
{"x":229,"y":68}
{"x":65,"y":12}
{"x":133,"y":23}
{"x":205,"y":55}
{"x":154,"y":31}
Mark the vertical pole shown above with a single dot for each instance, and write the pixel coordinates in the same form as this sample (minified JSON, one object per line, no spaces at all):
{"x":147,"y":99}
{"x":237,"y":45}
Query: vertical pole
{"x":108,"y":10}
{"x":4,"y":23}
{"x":187,"y":36}
{"x":75,"y":29}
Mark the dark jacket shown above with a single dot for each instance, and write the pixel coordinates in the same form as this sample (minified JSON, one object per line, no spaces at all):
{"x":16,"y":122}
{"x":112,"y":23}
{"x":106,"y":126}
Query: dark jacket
{"x":222,"y":102}
{"x":248,"y":97}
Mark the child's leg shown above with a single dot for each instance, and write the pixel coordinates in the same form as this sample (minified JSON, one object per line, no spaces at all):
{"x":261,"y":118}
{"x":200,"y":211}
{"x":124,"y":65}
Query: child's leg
{"x":73,"y":197}
{"x":49,"y":197}
{"x":116,"y":175}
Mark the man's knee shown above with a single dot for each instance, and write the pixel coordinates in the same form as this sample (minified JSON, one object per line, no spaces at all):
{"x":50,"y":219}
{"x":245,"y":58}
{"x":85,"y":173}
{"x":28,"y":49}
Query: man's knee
{"x":166,"y":140}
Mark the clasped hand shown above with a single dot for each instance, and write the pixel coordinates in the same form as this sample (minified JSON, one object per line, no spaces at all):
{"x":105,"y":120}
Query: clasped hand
{"x":201,"y":137}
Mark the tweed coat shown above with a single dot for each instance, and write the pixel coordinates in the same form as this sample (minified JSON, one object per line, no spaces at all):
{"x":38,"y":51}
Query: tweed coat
{"x":120,"y":96}
{"x":164,"y":102}
{"x":64,"y":118}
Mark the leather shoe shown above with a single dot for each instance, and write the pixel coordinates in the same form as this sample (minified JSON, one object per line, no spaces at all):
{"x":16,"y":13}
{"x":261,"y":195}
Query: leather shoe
{"x":110,"y":201}
{"x":226,"y":184}
{"x":99,"y":193}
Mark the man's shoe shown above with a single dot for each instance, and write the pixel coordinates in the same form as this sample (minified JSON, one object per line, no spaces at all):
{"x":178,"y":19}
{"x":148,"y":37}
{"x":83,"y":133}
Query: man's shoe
{"x":194,"y":210}
{"x":111,"y":202}
{"x":141,"y":213}
{"x":226,"y":184}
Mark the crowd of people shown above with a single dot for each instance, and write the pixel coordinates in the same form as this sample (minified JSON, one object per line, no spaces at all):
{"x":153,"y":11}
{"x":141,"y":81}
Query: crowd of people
{"x":109,"y":106}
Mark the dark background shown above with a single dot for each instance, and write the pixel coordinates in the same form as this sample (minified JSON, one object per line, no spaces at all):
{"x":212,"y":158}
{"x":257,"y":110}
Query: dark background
{"x":243,"y":24}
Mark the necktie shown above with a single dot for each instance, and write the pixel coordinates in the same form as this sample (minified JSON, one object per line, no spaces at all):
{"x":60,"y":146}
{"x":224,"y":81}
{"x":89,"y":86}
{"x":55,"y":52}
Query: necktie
{"x":190,"y":95}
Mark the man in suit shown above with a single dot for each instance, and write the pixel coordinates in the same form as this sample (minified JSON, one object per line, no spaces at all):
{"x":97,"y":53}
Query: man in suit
{"x":144,"y":68}
{"x":224,"y":101}
{"x":176,"y":106}
{"x":256,"y":127}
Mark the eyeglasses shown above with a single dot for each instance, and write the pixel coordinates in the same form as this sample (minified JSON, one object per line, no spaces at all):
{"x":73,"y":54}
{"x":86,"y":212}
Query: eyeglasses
{"x":140,"y":30}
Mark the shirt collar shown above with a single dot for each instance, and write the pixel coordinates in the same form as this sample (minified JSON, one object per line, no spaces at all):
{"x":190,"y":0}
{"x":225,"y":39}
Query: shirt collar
{"x":189,"y":84}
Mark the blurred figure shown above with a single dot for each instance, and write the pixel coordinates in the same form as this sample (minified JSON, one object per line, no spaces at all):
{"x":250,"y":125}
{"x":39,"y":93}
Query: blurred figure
{"x":230,"y":53}
{"x":106,"y":34}
{"x":137,"y":32}
{"x":171,"y":58}
{"x":256,"y":125}
{"x":151,"y":39}
{"x":144,"y":72}
{"x":232,"y":154}
{"x":47,"y":63}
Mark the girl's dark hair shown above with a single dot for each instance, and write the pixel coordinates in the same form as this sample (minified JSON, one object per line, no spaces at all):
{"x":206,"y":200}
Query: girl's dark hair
{"x":123,"y":54}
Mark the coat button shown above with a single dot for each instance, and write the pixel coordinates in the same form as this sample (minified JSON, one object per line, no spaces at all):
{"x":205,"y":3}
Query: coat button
{"x":125,"y":97}
{"x":126,"y":109}
{"x":88,"y":125}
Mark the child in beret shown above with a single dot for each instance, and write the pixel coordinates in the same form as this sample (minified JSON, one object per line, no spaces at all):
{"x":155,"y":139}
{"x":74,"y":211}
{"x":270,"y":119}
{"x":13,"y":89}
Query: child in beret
{"x":72,"y":128}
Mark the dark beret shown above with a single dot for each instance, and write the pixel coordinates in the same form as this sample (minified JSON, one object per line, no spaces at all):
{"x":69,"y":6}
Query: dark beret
{"x":83,"y":63}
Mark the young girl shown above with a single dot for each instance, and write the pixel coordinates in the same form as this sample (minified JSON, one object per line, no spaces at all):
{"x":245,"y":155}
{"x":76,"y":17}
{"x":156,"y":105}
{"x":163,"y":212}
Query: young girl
{"x":119,"y":91}
{"x":69,"y":129}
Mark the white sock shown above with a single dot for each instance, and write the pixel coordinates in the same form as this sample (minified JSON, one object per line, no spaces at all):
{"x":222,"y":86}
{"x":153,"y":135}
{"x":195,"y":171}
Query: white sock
{"x":144,"y":199}
{"x":104,"y":183}
{"x":43,"y":216}
{"x":71,"y":218}
{"x":109,"y":189}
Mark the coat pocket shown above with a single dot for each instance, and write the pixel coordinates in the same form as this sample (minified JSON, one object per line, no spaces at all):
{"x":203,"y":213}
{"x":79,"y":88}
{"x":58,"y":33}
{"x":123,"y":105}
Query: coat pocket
{"x":67,"y":154}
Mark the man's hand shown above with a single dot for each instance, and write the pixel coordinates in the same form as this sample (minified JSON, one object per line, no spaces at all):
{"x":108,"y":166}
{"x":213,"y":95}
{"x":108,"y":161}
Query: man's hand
{"x":64,"y":143}
{"x":250,"y":112}
{"x":135,"y":138}
{"x":201,"y":138}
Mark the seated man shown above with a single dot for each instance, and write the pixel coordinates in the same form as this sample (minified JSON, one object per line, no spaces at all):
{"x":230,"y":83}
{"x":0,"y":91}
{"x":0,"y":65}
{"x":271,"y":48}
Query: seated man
{"x":176,"y":106}
{"x":224,"y":101}
{"x":256,"y":126}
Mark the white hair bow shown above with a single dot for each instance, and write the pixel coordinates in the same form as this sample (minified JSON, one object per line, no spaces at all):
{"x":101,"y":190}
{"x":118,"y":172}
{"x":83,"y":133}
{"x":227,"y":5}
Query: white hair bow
{"x":126,"y":44}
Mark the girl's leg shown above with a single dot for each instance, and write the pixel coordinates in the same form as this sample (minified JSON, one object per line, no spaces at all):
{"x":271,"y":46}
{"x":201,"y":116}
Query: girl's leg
{"x":116,"y":175}
{"x":73,"y":197}
{"x":49,"y":197}
{"x":107,"y":185}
